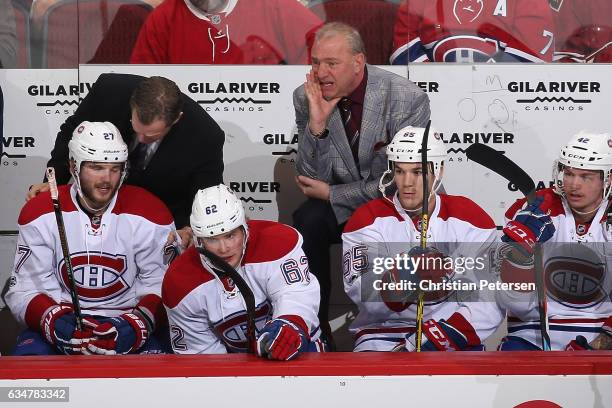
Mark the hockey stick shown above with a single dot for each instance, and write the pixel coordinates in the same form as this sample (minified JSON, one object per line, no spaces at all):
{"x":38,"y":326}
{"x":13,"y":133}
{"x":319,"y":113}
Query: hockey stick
{"x":502,"y":165}
{"x":424,"y":225}
{"x":243,"y":287}
{"x":64,"y":243}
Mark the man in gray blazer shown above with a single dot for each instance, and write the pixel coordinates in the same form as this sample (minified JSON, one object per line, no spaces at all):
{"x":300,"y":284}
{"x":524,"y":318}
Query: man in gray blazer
{"x":346,"y":113}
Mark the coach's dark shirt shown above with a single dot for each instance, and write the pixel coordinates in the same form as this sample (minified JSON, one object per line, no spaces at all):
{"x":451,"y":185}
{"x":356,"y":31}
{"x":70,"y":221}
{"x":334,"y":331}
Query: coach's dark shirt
{"x":189,"y":157}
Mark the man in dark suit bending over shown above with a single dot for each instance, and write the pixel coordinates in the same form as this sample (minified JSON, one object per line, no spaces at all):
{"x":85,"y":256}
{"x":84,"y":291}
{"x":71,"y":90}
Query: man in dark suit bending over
{"x":175,"y":147}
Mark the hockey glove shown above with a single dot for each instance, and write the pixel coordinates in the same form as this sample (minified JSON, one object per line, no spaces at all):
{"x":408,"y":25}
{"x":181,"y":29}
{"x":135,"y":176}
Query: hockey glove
{"x":59,"y":328}
{"x":529,"y":226}
{"x":437,"y":336}
{"x":281,"y":339}
{"x":579,"y":343}
{"x":119,"y":335}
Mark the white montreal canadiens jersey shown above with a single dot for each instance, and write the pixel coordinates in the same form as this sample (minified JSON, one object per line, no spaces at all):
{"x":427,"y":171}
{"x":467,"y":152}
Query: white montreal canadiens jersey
{"x":376,"y":230}
{"x":207,"y":315}
{"x":114,"y":265}
{"x":577,"y":273}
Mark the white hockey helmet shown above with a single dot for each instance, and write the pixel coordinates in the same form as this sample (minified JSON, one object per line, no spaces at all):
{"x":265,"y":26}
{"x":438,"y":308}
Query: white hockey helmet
{"x":97,"y":142}
{"x":586,"y":151}
{"x":216,"y":210}
{"x":406,"y":148}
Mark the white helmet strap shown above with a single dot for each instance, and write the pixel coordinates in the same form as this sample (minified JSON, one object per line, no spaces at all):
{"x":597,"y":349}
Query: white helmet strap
{"x":75,"y":171}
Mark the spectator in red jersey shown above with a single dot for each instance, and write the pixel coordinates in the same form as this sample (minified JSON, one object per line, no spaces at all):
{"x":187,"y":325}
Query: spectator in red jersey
{"x":473,"y":31}
{"x":226,"y":32}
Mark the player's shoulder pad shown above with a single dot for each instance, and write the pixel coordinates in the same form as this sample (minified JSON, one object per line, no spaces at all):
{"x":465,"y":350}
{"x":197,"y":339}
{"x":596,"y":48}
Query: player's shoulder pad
{"x":369,"y":212}
{"x":184,"y":275}
{"x":552,"y":202}
{"x":464,"y":209}
{"x":270,"y":241}
{"x":138,"y":201}
{"x":41,"y":204}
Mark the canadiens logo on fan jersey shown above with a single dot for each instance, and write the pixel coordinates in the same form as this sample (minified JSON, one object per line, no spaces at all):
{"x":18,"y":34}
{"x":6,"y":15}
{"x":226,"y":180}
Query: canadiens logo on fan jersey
{"x":466,"y":11}
{"x":465,"y":48}
{"x":98,"y":276}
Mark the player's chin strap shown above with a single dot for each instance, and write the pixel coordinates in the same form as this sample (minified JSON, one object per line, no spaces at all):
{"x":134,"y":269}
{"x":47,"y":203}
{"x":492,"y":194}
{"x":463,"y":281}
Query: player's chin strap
{"x":382,"y":186}
{"x":588,"y":212}
{"x":559,"y":169}
{"x":83,"y":201}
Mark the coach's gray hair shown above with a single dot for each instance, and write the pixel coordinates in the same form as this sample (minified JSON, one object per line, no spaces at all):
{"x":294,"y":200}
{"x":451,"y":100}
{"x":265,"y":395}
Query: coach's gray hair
{"x":351,"y":35}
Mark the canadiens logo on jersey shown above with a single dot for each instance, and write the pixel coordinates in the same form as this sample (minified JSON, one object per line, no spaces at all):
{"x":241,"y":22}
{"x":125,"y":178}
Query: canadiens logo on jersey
{"x":465,"y":48}
{"x":97,"y":276}
{"x":233,"y":328}
{"x":466,"y":11}
{"x":575,"y":276}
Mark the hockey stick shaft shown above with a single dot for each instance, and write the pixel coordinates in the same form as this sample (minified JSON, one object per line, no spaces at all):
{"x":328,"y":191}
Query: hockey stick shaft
{"x":502,"y":165}
{"x":424,"y":226}
{"x":243,"y":287}
{"x":61,"y":229}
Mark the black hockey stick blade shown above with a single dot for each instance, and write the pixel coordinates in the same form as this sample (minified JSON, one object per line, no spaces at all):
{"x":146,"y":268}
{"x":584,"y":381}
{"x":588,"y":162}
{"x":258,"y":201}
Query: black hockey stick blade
{"x":243,"y":287}
{"x":502,"y":165}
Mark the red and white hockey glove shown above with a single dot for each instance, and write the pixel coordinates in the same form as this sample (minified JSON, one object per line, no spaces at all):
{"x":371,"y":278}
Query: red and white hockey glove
{"x":119,"y":335}
{"x":282,"y":339}
{"x":529,"y":226}
{"x":58,"y":326}
{"x":442,"y":336}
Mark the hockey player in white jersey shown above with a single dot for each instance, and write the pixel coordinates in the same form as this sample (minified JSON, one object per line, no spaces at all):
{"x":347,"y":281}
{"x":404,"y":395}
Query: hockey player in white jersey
{"x":116,"y":236}
{"x":206,"y":311}
{"x":384,"y":321}
{"x":573,"y":218}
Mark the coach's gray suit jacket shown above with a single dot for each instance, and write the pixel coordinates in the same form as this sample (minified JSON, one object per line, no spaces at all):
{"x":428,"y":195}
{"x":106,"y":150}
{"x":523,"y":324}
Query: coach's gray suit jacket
{"x":391,"y":103}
